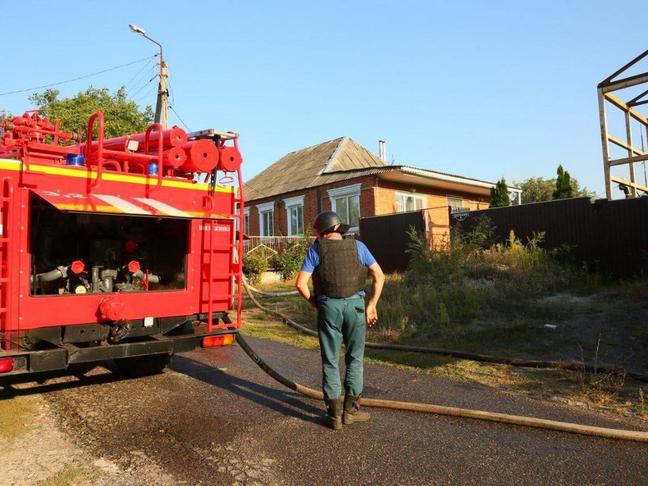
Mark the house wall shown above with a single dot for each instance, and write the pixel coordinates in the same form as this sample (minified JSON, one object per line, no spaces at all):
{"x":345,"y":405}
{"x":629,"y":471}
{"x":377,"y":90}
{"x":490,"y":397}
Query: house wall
{"x":311,"y":206}
{"x":437,"y":224}
{"x":386,"y":197}
{"x":377,"y":197}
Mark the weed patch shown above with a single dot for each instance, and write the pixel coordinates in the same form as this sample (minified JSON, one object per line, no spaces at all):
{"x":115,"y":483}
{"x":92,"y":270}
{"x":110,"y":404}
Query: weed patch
{"x":69,"y":476}
{"x":642,"y":404}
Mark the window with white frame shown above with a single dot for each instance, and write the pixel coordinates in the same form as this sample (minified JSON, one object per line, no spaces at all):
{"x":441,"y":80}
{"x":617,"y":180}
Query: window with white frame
{"x":295,"y":215}
{"x":246,"y":221}
{"x":237,"y":210}
{"x":345,"y":201}
{"x":456,"y":204}
{"x":266,"y":218}
{"x":409,"y":202}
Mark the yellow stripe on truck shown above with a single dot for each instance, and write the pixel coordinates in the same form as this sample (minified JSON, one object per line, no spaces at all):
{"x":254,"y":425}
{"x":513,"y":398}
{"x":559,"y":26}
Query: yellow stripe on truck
{"x":10,"y":164}
{"x":86,"y":208}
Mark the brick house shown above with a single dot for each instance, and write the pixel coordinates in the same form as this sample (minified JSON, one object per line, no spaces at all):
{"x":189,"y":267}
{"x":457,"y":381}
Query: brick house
{"x":344,"y":176}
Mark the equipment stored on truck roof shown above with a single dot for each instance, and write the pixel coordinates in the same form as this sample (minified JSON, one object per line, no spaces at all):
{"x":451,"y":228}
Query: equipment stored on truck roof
{"x":123,"y":248}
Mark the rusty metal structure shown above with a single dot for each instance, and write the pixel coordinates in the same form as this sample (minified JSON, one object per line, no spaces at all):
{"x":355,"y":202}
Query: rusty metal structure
{"x":611,"y":93}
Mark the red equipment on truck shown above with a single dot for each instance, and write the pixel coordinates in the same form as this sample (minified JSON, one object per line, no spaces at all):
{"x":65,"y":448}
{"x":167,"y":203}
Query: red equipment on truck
{"x":125,"y":248}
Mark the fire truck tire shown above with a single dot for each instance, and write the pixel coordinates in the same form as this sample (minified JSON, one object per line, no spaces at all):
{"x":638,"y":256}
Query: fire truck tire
{"x":142,"y":365}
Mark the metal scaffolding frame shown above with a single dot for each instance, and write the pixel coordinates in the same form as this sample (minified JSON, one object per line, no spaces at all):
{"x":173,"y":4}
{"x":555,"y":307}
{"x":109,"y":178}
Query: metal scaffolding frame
{"x":632,"y":116}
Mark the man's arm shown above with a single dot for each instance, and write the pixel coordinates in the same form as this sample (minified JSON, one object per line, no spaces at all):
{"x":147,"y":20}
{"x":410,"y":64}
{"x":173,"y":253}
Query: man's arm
{"x":378,"y":278}
{"x":302,"y":287}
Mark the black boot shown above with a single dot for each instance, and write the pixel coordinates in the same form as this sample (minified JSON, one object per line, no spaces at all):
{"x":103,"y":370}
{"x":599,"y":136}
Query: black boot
{"x":352,"y":411}
{"x":333,"y":418}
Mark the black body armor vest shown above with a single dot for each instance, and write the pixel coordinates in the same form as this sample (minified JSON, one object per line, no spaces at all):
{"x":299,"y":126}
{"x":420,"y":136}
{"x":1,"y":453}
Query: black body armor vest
{"x":339,"y":274}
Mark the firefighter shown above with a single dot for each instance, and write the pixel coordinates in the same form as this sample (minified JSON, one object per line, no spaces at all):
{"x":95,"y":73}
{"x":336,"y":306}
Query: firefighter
{"x":339,"y":268}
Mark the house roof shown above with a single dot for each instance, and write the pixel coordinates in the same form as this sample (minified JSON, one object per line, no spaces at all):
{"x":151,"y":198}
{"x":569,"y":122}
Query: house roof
{"x":342,"y":159}
{"x":312,"y":167}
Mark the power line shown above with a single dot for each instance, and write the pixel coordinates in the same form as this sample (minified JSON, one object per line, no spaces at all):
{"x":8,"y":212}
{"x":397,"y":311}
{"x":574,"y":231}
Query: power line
{"x":142,"y":83}
{"x":146,"y":94}
{"x":173,"y":109}
{"x":141,"y":74}
{"x":181,"y":120}
{"x":142,"y":87}
{"x":172,"y":95}
{"x":77,"y":78}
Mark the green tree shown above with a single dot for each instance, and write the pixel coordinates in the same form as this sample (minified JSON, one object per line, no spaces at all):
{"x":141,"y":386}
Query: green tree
{"x":499,"y":195}
{"x":564,"y":188}
{"x":122,"y":116}
{"x":578,"y":191}
{"x":539,"y":189}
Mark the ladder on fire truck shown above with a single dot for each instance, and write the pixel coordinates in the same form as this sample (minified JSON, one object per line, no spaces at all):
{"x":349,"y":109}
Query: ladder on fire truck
{"x":235,"y":250}
{"x":6,"y":195}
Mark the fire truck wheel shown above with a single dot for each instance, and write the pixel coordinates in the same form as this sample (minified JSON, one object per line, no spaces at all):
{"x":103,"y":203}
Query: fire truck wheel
{"x":142,"y":365}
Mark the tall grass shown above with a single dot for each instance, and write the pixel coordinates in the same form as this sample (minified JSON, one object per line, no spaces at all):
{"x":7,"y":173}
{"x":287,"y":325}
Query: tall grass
{"x":473,"y":278}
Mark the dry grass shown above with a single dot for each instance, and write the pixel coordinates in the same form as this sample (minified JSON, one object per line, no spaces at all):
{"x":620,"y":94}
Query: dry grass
{"x":17,"y":415}
{"x":70,"y":476}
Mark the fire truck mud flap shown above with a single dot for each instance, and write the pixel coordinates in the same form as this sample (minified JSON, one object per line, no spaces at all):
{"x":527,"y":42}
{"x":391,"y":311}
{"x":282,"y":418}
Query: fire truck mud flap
{"x":116,"y":351}
{"x":50,"y":360}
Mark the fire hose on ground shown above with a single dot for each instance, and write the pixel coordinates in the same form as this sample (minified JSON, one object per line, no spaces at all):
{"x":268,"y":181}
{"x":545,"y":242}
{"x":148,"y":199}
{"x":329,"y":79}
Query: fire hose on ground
{"x":639,"y":436}
{"x":525,"y":363}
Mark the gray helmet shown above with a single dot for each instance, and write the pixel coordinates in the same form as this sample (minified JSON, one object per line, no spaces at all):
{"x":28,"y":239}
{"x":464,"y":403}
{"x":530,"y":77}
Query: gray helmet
{"x":329,"y":221}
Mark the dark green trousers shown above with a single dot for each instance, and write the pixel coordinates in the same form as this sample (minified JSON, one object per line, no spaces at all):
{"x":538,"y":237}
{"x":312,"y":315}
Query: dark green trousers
{"x":338,"y":321}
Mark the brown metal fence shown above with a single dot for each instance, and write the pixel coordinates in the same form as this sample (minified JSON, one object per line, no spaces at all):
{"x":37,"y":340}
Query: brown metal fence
{"x":387,"y":240}
{"x":611,"y":236}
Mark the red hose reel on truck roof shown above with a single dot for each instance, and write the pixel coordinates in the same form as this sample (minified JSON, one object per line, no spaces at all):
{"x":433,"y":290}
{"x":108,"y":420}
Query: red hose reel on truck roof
{"x":173,"y":149}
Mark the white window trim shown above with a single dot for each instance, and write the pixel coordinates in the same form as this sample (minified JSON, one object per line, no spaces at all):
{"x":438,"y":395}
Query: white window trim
{"x":351,"y":190}
{"x":289,"y":203}
{"x":462,"y":209}
{"x":246,"y":215}
{"x":294,"y":201}
{"x":415,"y":195}
{"x":264,"y":208}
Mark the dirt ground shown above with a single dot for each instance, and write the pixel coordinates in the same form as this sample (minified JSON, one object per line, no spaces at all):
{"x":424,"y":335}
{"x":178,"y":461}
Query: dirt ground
{"x":38,"y":451}
{"x":607,"y":329}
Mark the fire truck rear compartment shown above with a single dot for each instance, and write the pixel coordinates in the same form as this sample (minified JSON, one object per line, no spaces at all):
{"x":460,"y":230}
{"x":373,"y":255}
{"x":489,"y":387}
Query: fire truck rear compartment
{"x":107,"y":245}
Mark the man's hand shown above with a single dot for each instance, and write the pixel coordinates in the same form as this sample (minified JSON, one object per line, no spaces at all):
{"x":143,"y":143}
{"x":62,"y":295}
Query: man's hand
{"x":312,"y":300}
{"x":371,"y":315}
{"x":301,"y":284}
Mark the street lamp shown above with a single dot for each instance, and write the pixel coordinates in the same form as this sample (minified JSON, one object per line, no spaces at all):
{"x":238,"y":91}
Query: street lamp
{"x":162,"y":104}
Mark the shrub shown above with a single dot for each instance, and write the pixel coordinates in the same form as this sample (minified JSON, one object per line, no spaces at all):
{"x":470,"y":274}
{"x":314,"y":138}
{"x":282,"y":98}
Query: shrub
{"x":289,"y":261}
{"x":254,"y":264}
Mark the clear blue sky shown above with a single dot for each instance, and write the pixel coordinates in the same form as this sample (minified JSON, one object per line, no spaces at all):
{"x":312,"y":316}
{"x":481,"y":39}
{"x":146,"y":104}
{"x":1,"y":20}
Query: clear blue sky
{"x":481,"y":89}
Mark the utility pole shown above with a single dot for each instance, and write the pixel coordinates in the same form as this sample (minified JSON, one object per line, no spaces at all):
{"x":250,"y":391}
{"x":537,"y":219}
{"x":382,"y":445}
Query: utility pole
{"x":162,"y":103}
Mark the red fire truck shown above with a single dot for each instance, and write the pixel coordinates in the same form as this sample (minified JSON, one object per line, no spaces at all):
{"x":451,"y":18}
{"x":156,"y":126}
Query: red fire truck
{"x":116,"y":248}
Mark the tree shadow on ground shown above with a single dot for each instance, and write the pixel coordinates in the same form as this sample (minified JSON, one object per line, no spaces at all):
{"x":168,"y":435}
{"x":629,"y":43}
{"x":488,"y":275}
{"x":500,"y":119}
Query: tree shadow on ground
{"x":47,"y":382}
